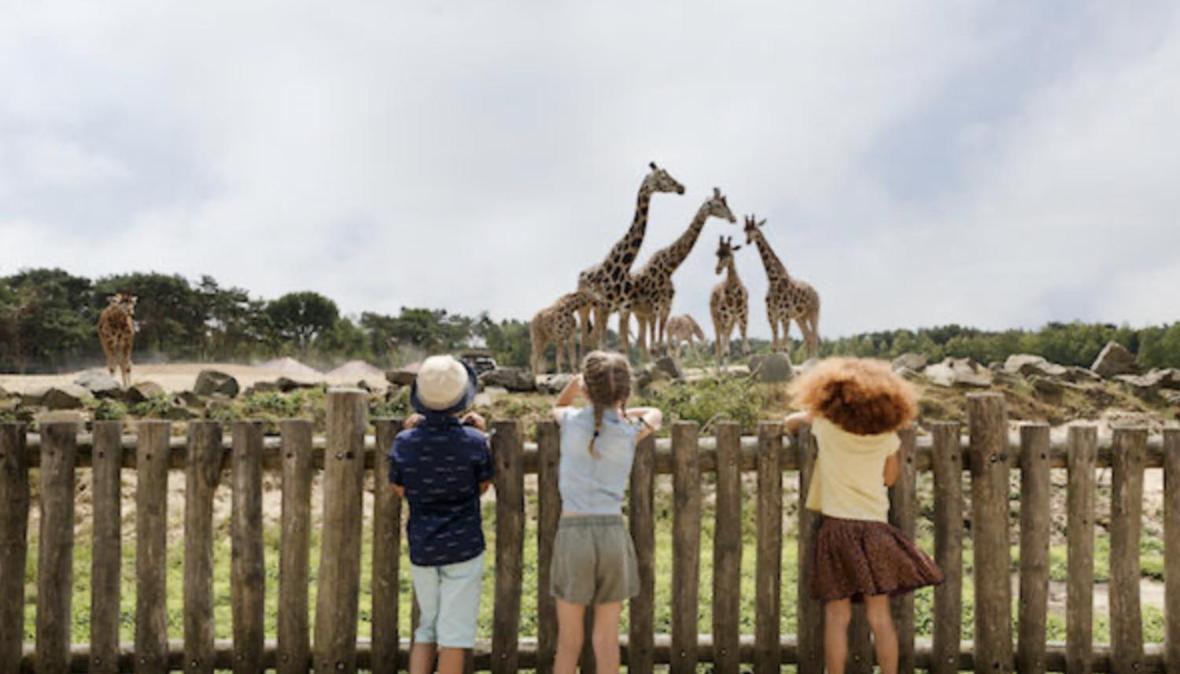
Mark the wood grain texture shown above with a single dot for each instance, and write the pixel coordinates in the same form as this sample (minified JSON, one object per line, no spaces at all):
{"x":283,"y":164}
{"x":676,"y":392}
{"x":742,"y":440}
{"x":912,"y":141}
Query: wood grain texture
{"x":507,"y":448}
{"x":201,"y":477}
{"x":548,"y":517}
{"x":293,"y":654}
{"x":1079,"y":600}
{"x":947,"y":463}
{"x":151,"y":547}
{"x":106,"y":547}
{"x":55,"y":561}
{"x":727,"y":551}
{"x":641,"y":516}
{"x":1172,"y":546}
{"x":1036,"y":514}
{"x":769,"y":560}
{"x":14,"y":543}
{"x":248,"y":593}
{"x":903,"y":514}
{"x":1126,"y":522}
{"x":686,"y":547}
{"x":387,"y":528}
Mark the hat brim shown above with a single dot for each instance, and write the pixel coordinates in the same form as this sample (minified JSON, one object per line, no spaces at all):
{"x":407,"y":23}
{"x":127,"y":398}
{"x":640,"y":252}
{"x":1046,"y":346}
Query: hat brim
{"x":463,"y":403}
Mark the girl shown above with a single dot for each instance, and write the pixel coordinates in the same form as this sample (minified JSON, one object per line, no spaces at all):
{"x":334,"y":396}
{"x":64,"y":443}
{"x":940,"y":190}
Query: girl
{"x":855,"y":407}
{"x":593,"y":556}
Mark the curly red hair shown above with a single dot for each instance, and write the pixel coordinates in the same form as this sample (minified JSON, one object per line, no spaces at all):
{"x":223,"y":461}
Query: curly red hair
{"x":860,"y":395}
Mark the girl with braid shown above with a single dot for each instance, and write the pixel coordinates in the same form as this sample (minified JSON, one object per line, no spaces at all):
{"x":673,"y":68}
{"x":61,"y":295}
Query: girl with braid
{"x":593,"y":555}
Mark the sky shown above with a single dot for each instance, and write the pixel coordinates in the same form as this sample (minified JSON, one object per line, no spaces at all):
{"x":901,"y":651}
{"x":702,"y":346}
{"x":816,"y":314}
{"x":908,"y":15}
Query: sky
{"x":996,"y":164}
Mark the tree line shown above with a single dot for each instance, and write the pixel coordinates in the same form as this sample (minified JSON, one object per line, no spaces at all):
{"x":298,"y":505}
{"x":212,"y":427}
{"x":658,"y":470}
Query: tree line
{"x":48,"y":317}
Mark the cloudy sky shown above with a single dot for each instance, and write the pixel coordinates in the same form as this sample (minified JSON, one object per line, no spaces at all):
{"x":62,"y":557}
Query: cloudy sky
{"x":990,"y":163}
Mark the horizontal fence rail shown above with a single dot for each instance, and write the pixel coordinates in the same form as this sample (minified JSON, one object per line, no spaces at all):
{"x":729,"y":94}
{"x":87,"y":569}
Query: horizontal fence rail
{"x":214,"y":457}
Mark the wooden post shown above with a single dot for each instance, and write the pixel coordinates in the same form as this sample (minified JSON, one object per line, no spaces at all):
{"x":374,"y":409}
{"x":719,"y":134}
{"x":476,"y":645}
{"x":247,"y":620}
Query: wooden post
{"x":202,"y":474}
{"x":151,"y":547}
{"x":294,"y":640}
{"x":249,"y":587}
{"x":14,"y":542}
{"x":989,"y":499}
{"x":1172,"y":546}
{"x":507,"y":452}
{"x":860,"y":643}
{"x":1079,"y":599}
{"x":686,"y":546}
{"x":1035,"y":516}
{"x":387,"y":530}
{"x":548,"y":517}
{"x":641,"y":513}
{"x":769,"y":561}
{"x":727,"y":551}
{"x":1126,"y":519}
{"x":106,"y":559}
{"x":55,"y":564}
{"x":903,"y":514}
{"x":947,"y":459}
{"x":340,"y":555}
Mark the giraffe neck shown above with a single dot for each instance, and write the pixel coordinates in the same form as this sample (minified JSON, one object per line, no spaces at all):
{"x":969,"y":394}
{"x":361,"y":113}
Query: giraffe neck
{"x":775,"y":270}
{"x":623,"y":253}
{"x":667,"y":260}
{"x":731,"y":275}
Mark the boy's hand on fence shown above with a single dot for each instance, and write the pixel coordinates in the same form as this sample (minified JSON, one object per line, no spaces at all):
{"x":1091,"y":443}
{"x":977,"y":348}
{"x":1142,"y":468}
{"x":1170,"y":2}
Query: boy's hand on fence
{"x":413,"y":421}
{"x":476,"y":420}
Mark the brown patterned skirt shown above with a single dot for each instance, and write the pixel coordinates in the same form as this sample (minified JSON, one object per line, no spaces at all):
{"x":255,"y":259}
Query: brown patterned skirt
{"x":855,"y":559}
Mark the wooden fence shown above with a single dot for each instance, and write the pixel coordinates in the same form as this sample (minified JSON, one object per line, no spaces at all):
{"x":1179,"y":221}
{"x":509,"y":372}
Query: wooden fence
{"x":987,"y":452}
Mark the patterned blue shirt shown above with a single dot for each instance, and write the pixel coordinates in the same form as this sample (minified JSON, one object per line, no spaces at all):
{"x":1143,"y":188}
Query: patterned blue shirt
{"x":441,"y":464}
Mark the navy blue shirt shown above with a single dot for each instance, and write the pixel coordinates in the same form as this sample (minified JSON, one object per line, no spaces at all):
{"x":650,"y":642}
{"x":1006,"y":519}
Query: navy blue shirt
{"x":441,"y":464}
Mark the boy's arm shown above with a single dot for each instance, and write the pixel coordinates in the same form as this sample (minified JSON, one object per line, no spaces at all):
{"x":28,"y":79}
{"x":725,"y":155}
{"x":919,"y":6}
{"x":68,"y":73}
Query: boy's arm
{"x":794,"y":421}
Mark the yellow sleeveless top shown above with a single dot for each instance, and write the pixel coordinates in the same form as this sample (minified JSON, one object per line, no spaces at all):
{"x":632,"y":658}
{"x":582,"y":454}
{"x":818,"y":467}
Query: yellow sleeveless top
{"x":848,"y":482}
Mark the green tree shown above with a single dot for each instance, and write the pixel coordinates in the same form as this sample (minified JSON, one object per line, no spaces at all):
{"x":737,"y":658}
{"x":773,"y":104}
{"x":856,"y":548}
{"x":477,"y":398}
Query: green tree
{"x":301,"y":317}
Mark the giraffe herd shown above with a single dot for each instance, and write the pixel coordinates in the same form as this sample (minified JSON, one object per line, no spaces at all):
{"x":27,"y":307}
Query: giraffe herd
{"x":610,"y":287}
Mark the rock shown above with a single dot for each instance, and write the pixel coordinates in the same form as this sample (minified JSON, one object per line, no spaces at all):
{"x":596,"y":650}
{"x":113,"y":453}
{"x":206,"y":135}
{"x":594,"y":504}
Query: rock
{"x":1171,"y":397}
{"x":142,"y":391}
{"x":668,"y":367}
{"x":1114,"y":360}
{"x":910,"y":361}
{"x":959,"y":372}
{"x":909,"y":375}
{"x":100,"y":384}
{"x":775,"y":369}
{"x":3,"y":393}
{"x":66,"y":397}
{"x":1077,"y":375}
{"x":756,"y":361}
{"x":403,"y":376}
{"x":187,"y":398}
{"x":1168,"y":379}
{"x":262,"y":387}
{"x":1027,"y":365}
{"x":515,"y":379}
{"x":34,"y":396}
{"x":553,"y":384}
{"x":59,"y":417}
{"x":215,"y":381}
{"x":180,"y":413}
{"x":1148,"y":386}
{"x":1047,"y":388}
{"x":287,"y":384}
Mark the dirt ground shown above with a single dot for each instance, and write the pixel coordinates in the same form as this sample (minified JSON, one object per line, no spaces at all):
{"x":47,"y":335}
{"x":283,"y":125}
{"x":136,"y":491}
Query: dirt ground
{"x":175,"y":377}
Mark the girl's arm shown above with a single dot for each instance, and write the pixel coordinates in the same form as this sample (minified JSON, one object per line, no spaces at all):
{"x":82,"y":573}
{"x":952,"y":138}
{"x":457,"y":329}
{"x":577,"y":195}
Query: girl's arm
{"x":651,"y":417}
{"x":794,"y":421}
{"x":567,"y":397}
{"x":892,"y":468}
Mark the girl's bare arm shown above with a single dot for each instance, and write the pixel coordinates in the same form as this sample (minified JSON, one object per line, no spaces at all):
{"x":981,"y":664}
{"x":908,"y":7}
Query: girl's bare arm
{"x":567,"y":396}
{"x":892,"y":468}
{"x":651,"y":417}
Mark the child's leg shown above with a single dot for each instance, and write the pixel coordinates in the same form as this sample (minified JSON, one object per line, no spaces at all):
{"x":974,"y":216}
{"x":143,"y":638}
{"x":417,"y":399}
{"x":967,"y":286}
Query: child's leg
{"x":837,"y":615}
{"x":884,"y":636}
{"x":426,"y":592}
{"x":460,"y":594}
{"x":422,"y":658}
{"x":606,"y":637}
{"x":569,"y":636}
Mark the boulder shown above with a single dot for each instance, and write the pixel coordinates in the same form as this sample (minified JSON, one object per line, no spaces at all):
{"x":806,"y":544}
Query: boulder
{"x":668,"y":367}
{"x":515,"y":379}
{"x":187,"y":399}
{"x":1077,"y":375}
{"x":215,"y":381}
{"x":775,"y":369}
{"x":910,"y":361}
{"x":1113,"y":360}
{"x":553,"y":384}
{"x":959,"y":372}
{"x":34,"y":396}
{"x":1148,"y":386}
{"x":403,"y":376}
{"x":1027,"y":365}
{"x":142,"y":391}
{"x":1047,"y":388}
{"x":908,"y":374}
{"x":262,"y":387}
{"x":66,"y":397}
{"x":1171,"y":397}
{"x":756,"y":361}
{"x":287,"y":384}
{"x":100,"y":384}
{"x":3,"y":394}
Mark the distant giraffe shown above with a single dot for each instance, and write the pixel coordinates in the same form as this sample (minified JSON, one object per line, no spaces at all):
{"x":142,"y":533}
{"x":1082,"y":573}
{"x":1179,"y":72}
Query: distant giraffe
{"x":683,"y":329}
{"x":558,"y":324}
{"x":116,"y":332}
{"x":608,"y":282}
{"x":652,"y":288}
{"x":787,"y":298}
{"x":729,"y":301}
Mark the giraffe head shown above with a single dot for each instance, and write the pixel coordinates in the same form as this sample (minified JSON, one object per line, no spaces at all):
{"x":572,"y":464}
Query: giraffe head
{"x":717,"y":206}
{"x":752,"y":226}
{"x":725,"y":251}
{"x":659,"y":181}
{"x":125,"y":301}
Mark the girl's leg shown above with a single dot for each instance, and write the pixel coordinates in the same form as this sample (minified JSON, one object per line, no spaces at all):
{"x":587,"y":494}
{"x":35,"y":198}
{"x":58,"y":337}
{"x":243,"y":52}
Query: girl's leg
{"x":837,"y":615}
{"x":569,"y":637}
{"x":606,"y":637}
{"x":884,"y":636}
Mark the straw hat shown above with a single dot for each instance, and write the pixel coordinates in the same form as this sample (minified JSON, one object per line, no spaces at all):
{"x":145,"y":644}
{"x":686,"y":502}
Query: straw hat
{"x":444,"y":385}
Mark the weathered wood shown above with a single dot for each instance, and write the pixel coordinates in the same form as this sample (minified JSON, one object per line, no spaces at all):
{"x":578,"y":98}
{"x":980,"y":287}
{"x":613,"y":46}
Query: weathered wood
{"x":55,"y":563}
{"x":248,"y":592}
{"x":641,"y":513}
{"x":1035,"y":516}
{"x":1079,"y":598}
{"x":903,"y":514}
{"x":727,"y":551}
{"x":202,"y":475}
{"x":151,"y":547}
{"x":548,"y":517}
{"x":294,"y":633}
{"x":988,"y":421}
{"x":340,"y":554}
{"x":507,"y":446}
{"x":1126,"y":521}
{"x":860,"y":643}
{"x":1172,"y":546}
{"x":769,"y":560}
{"x":686,"y":546}
{"x":106,"y":559}
{"x":14,"y":542}
{"x":387,"y":527}
{"x":948,"y":545}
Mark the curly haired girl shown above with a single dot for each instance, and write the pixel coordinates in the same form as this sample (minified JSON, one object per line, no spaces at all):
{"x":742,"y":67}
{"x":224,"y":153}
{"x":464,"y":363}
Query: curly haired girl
{"x":855,"y":408}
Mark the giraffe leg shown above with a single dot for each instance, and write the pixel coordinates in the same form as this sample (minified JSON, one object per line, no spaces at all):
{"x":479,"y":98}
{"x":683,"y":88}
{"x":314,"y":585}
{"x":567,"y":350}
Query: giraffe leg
{"x":742,"y":325}
{"x":787,"y":336}
{"x":774,"y":335}
{"x":571,"y":353}
{"x":584,"y":326}
{"x":598,"y":330}
{"x":624,"y":331}
{"x":717,"y":332}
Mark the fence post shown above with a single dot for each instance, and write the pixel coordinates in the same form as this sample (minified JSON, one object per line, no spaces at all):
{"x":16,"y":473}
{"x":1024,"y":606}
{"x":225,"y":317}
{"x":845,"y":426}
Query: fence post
{"x":387,"y":529}
{"x":1035,"y":516}
{"x":686,"y":546}
{"x":809,"y":611}
{"x":548,"y":517}
{"x":340,"y":555}
{"x":248,"y":591}
{"x":202,"y":473}
{"x":989,"y":522}
{"x":1126,"y":519}
{"x":55,"y":563}
{"x":294,"y":638}
{"x":106,"y":498}
{"x":727,"y":551}
{"x":1172,"y":546}
{"x":947,"y":459}
{"x":903,"y":512}
{"x":769,"y":561}
{"x":641,"y":512}
{"x":151,"y":547}
{"x":14,"y":541}
{"x":1079,"y":599}
{"x":507,"y":452}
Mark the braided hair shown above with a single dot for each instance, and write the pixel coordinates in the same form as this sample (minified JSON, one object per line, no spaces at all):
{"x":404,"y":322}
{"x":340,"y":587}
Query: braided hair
{"x":607,"y":377}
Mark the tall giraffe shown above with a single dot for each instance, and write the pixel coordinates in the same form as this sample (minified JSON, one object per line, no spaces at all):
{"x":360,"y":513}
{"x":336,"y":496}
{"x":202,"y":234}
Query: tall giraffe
{"x":116,"y":333}
{"x":608,"y":282}
{"x":652,"y":287}
{"x":787,"y":298}
{"x":729,"y":302}
{"x":557,"y":323}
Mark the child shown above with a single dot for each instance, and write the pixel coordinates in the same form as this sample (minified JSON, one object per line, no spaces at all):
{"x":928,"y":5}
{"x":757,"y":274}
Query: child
{"x":593,"y":555}
{"x":855,"y":407}
{"x":442,"y":467}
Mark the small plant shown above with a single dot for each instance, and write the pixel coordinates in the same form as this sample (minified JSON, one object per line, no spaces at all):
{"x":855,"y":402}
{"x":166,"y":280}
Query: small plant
{"x":106,"y":409}
{"x":709,"y":400}
{"x":396,"y":404}
{"x":156,"y":407}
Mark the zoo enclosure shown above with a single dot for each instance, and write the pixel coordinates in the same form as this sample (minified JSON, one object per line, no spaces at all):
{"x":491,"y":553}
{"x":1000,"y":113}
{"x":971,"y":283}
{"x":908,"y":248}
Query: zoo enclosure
{"x":345,"y":454}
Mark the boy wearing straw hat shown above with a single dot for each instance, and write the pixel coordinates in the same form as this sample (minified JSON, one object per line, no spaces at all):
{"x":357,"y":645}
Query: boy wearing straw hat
{"x":441,"y":465}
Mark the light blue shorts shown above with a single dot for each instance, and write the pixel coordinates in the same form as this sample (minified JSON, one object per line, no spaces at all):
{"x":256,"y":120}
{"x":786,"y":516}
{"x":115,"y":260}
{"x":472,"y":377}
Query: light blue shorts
{"x":448,"y":601}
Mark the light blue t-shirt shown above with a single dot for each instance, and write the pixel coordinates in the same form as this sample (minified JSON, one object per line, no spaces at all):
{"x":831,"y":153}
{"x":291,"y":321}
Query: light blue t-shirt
{"x":595,"y":484}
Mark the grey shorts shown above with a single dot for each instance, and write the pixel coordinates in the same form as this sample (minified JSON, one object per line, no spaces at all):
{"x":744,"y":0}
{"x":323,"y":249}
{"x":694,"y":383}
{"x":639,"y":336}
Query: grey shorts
{"x":593,"y":561}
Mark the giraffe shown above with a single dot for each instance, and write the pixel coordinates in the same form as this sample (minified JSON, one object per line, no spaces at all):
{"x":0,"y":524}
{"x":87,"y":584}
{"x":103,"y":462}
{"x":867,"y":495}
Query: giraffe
{"x":116,"y":332}
{"x":729,"y":301}
{"x":787,"y":298}
{"x":608,"y":282}
{"x":652,"y":287}
{"x":557,"y":323}
{"x":683,"y":329}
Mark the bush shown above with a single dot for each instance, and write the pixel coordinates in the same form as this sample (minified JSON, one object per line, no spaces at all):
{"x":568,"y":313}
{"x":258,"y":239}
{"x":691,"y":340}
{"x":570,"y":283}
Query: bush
{"x":709,"y":400}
